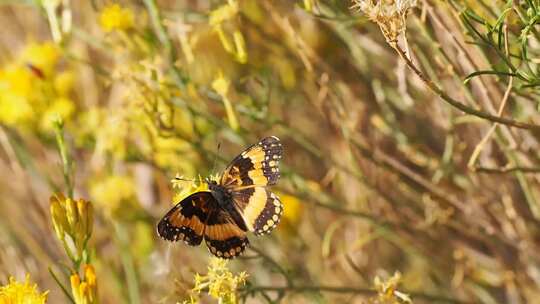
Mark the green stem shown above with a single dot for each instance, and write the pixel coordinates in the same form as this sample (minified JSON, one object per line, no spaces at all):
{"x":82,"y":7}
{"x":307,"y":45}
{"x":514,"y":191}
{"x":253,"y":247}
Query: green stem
{"x":64,"y":289}
{"x":128,"y":264}
{"x":66,"y":160}
{"x":161,"y":33}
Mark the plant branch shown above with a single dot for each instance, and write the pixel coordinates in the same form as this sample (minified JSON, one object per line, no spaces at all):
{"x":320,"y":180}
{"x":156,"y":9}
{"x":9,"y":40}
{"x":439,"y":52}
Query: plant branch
{"x":437,"y":90}
{"x":339,"y":289}
{"x":507,"y":169}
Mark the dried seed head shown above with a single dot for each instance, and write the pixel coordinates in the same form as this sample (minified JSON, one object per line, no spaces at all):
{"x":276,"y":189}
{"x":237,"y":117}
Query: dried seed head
{"x":390,"y":15}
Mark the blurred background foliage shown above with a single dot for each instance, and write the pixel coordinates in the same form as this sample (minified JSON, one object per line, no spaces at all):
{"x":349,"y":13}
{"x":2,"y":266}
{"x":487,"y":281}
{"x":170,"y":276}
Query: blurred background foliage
{"x":411,"y":135}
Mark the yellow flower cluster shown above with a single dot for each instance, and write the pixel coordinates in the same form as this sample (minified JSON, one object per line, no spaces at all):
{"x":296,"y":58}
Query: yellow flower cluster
{"x":387,"y":292}
{"x":292,"y":211}
{"x":72,"y":219}
{"x":218,"y":17}
{"x":221,"y":283}
{"x":21,"y":293}
{"x":187,"y":187}
{"x":112,"y":191}
{"x":221,"y":86}
{"x":31,"y":93}
{"x":84,"y":289}
{"x":114,"y":17}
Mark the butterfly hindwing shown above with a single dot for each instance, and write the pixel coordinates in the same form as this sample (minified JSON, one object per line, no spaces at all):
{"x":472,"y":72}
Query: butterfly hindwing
{"x":258,"y":165}
{"x":186,"y":221}
{"x":224,"y":238}
{"x":260,"y":208}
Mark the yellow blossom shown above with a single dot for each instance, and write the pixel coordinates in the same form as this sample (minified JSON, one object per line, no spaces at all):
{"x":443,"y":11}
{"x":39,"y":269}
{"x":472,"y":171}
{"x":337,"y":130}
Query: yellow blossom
{"x":221,"y":283}
{"x":221,"y":86}
{"x":73,"y":222}
{"x":30,"y":94}
{"x":187,"y":187}
{"x":21,"y":293}
{"x":110,"y":192}
{"x":387,"y":292}
{"x":114,"y":17}
{"x":84,"y":290}
{"x":43,"y":56}
{"x":63,"y":83}
{"x":223,"y":13}
{"x":292,"y":208}
{"x":61,"y":107}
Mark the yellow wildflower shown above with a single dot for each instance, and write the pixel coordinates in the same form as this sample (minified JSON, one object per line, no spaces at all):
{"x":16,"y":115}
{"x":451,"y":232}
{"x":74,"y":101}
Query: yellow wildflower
{"x":62,"y":108}
{"x":114,"y":17}
{"x":187,"y":187}
{"x":15,"y":92}
{"x":387,"y":292}
{"x":221,"y":86}
{"x":84,"y":290}
{"x":292,"y":208}
{"x":292,"y":213}
{"x":43,"y":56}
{"x":72,"y":219}
{"x":221,"y":283}
{"x":110,"y":192}
{"x":29,"y":94}
{"x":21,"y":293}
{"x":224,"y":12}
{"x":63,"y":82}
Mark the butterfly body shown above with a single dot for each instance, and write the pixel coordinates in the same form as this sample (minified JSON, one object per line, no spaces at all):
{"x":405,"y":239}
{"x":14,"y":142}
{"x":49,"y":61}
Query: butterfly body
{"x":238,"y":202}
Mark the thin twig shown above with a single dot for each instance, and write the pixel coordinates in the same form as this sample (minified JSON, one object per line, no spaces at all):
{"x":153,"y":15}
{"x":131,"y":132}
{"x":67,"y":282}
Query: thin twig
{"x":339,"y":289}
{"x":437,"y":90}
{"x":508,"y":169}
{"x":64,"y":289}
{"x":486,"y":137}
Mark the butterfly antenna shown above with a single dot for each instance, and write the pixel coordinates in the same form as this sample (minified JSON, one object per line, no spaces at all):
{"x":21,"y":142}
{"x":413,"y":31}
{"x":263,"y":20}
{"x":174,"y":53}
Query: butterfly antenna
{"x":215,"y":158}
{"x":181,"y":178}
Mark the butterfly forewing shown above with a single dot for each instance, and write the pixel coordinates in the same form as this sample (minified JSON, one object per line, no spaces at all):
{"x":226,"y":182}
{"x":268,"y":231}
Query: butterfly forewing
{"x":224,"y":238}
{"x":258,"y":165}
{"x":186,"y":221}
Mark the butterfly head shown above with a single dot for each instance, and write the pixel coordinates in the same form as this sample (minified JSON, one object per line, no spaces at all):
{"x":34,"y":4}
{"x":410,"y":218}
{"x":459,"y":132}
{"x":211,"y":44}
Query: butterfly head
{"x":211,"y":182}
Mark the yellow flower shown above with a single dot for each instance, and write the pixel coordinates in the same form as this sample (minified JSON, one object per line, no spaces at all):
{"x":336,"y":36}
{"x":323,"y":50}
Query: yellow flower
{"x":188,"y":187}
{"x":110,"y":192}
{"x":73,"y":219}
{"x":21,"y":293}
{"x":387,"y":290}
{"x":221,"y":283}
{"x":16,"y":96}
{"x":43,"y":56}
{"x":61,"y":107}
{"x":221,"y":86}
{"x":29,"y":94}
{"x":292,"y":213}
{"x":84,"y":290}
{"x":63,"y":83}
{"x":223,"y":13}
{"x":114,"y":17}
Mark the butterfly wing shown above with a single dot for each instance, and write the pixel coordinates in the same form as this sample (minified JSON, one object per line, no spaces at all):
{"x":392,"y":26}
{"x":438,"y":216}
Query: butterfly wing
{"x":260,"y":208}
{"x":258,"y":165}
{"x":224,"y":238}
{"x":186,"y":221}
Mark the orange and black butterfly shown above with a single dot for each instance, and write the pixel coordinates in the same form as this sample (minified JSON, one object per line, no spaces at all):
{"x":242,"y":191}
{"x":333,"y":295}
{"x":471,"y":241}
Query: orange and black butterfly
{"x":237,"y":203}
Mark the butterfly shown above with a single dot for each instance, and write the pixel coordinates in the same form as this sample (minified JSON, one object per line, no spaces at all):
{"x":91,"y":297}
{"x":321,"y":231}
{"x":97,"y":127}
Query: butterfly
{"x":238,"y":202}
